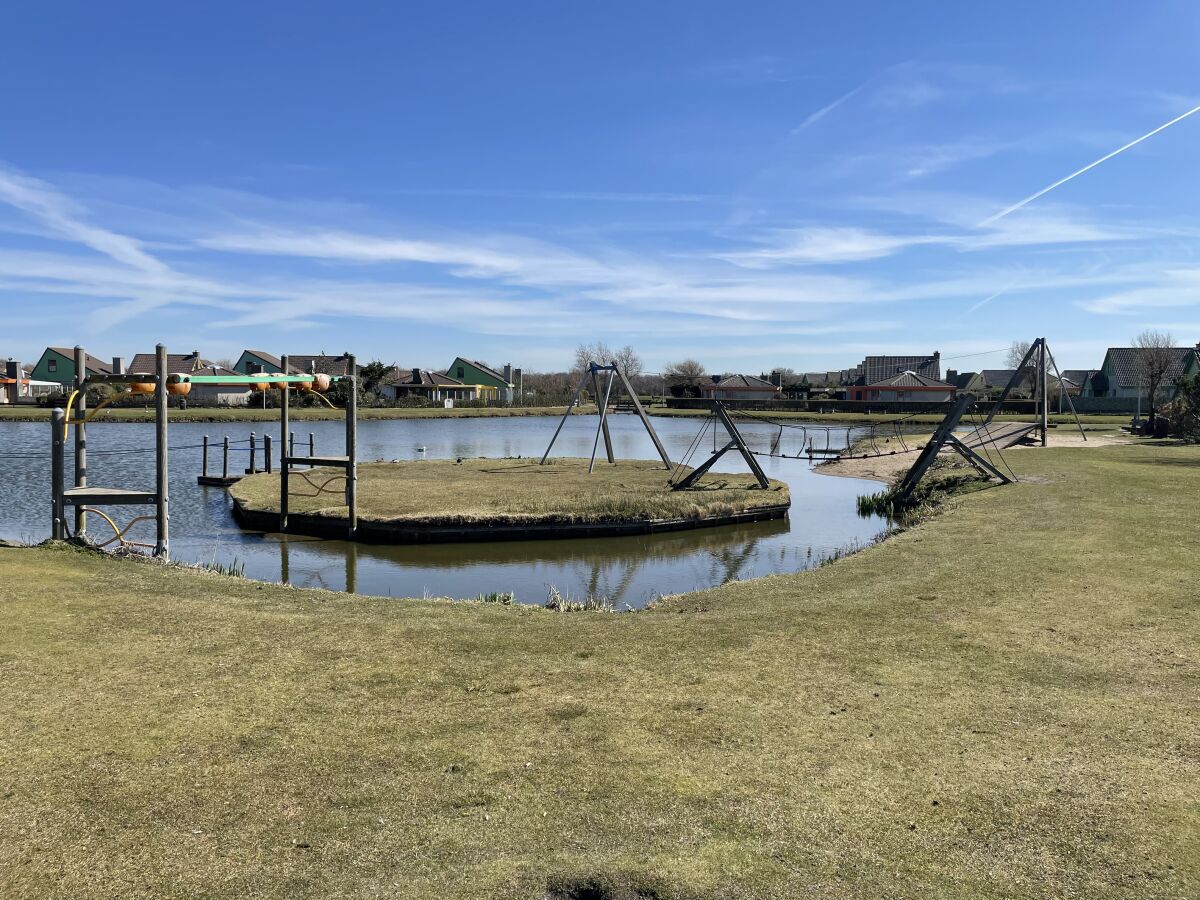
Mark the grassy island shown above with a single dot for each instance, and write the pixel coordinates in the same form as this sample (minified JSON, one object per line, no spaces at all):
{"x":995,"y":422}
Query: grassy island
{"x":477,"y":495}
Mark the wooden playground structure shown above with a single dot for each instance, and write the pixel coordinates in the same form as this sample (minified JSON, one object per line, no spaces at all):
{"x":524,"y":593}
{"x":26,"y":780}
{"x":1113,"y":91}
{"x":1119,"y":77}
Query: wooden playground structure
{"x":85,"y":498}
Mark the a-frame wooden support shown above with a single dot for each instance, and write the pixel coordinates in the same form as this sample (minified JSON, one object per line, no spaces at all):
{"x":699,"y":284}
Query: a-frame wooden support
{"x":614,"y":373}
{"x":1038,"y":353}
{"x":735,"y":443}
{"x":944,"y":437}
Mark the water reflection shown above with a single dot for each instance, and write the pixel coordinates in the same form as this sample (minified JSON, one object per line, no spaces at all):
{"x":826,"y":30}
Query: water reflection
{"x":626,"y":570}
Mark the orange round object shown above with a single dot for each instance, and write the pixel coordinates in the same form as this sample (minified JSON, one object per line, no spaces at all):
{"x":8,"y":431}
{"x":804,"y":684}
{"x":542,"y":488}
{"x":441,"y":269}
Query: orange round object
{"x":141,"y":387}
{"x":260,"y":386}
{"x":320,"y":382}
{"x":179,"y":388}
{"x":282,"y":385}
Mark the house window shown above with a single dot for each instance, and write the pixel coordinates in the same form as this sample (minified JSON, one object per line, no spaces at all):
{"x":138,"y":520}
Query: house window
{"x":52,"y":365}
{"x":461,"y":374}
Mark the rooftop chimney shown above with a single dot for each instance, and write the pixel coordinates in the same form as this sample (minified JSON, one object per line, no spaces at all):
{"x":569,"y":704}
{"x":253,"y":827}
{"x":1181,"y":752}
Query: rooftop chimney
{"x":12,"y":370}
{"x":118,"y":366}
{"x":777,"y":378}
{"x":508,"y":370}
{"x":416,"y":376}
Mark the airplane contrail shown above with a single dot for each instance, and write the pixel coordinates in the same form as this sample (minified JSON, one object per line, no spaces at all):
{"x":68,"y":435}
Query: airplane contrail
{"x":1149,"y":134}
{"x":989,"y":299}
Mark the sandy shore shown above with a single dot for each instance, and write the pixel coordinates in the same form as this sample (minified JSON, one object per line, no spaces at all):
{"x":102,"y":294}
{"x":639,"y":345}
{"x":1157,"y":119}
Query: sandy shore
{"x":887,"y":468}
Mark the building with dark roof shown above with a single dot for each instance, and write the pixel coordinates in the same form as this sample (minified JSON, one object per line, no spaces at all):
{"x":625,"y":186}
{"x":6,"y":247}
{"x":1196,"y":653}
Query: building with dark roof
{"x":1121,"y":375}
{"x":195,"y":364}
{"x":57,"y":364}
{"x":402,"y":383}
{"x":492,"y":385}
{"x":875,"y":369}
{"x":253,"y":362}
{"x":905,"y":387}
{"x":738,"y":387}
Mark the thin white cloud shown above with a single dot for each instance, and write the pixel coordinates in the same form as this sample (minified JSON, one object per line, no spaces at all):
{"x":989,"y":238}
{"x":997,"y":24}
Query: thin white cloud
{"x":63,"y":217}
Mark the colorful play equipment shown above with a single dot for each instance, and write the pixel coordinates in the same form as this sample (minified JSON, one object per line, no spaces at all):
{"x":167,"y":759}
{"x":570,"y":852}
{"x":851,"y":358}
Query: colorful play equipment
{"x":161,"y":384}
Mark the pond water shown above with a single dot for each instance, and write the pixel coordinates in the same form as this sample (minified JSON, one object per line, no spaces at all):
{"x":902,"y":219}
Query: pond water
{"x":629,"y":571}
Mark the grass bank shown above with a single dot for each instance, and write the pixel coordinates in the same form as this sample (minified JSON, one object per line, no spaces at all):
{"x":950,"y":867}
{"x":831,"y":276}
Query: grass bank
{"x":1001,"y":702}
{"x":302,"y":414}
{"x":485,"y":492}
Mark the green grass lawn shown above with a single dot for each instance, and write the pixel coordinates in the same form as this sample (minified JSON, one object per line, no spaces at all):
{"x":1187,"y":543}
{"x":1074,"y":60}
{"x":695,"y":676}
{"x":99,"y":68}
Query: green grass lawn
{"x":298,"y":414}
{"x":512,"y":491}
{"x":1001,"y":702}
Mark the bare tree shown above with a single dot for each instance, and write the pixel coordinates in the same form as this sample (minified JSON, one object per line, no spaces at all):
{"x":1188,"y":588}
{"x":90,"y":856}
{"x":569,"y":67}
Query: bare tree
{"x":1156,"y":355}
{"x":595,"y":352}
{"x":629,"y":362}
{"x":1016,"y":353}
{"x":684,"y":377}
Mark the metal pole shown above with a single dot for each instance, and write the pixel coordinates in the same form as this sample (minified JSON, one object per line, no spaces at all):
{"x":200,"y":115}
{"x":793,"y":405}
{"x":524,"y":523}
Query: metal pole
{"x":600,"y":426}
{"x":162,"y":545}
{"x":1061,"y":391}
{"x":292,"y":443}
{"x":312,"y":444}
{"x":352,"y":451}
{"x":563,"y":420}
{"x":1045,"y":393}
{"x":253,"y":456}
{"x":80,"y":435}
{"x":603,"y":421}
{"x":283,"y":450}
{"x":225,"y":457}
{"x":267,"y":451}
{"x":57,"y":510}
{"x":204,"y":461}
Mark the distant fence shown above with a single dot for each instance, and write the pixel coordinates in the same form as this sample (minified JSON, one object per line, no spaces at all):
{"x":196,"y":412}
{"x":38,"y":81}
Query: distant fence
{"x":1113,"y":406}
{"x":865,"y":407}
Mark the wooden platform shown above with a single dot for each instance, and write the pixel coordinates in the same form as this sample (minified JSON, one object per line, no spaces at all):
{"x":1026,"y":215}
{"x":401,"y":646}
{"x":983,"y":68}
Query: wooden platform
{"x":342,"y":461}
{"x":102,"y":496}
{"x":999,"y":435}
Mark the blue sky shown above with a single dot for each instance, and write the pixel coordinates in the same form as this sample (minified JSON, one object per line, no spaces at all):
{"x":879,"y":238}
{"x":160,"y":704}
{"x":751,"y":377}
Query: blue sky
{"x":754,"y":185}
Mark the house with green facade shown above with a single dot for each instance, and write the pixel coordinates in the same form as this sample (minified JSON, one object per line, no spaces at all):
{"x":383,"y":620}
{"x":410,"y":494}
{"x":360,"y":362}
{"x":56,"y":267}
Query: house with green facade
{"x":494,"y":386}
{"x":253,"y":362}
{"x":57,"y":364}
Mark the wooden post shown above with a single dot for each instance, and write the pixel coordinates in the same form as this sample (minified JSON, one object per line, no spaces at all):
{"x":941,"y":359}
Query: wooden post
{"x":225,"y":457}
{"x":352,"y":450}
{"x":80,"y":435}
{"x":267,"y":452}
{"x":162,"y":547}
{"x":204,"y":461}
{"x":253,"y":455}
{"x":637,"y":407}
{"x":57,"y":451}
{"x":283,"y":450}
